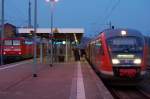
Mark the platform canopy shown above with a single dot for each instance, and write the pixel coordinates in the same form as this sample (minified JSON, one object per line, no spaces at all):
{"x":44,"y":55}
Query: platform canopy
{"x":58,"y":33}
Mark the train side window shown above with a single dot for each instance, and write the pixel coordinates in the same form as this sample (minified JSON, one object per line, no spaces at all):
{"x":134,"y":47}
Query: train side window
{"x":16,"y":42}
{"x":7,"y":42}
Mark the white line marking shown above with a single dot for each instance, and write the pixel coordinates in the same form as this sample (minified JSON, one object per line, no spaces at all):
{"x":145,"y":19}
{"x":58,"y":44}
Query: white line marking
{"x":11,"y":66}
{"x":74,"y":84}
{"x":80,"y":84}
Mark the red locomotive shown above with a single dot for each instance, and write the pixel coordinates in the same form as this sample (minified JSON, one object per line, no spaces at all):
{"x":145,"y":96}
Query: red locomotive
{"x":17,"y":48}
{"x":119,"y":55}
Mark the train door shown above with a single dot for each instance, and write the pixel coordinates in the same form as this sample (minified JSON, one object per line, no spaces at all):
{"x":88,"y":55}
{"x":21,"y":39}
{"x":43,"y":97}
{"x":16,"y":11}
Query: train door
{"x":92,"y":54}
{"x":99,"y":53}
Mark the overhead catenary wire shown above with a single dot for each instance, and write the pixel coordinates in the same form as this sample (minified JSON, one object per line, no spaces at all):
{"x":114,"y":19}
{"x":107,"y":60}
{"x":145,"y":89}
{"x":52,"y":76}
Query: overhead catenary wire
{"x":108,"y":6}
{"x":111,"y":11}
{"x":107,"y":16}
{"x":107,"y":13}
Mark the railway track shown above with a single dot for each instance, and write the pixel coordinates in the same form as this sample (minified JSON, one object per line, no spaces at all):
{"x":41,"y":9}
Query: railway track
{"x":141,"y":91}
{"x":128,"y":93}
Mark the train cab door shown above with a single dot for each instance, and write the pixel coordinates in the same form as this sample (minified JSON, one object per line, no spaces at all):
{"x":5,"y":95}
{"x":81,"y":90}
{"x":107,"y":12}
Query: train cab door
{"x":99,"y":54}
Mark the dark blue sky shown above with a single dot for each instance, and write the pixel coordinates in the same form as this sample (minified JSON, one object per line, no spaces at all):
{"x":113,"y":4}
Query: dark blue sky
{"x":93,"y":15}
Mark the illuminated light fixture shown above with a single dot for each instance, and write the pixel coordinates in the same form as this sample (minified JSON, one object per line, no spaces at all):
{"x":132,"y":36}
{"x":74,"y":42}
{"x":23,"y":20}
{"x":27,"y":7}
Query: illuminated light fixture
{"x":123,"y":33}
{"x":137,"y":61}
{"x":125,"y":56}
{"x":64,"y":42}
{"x":30,"y":34}
{"x":115,"y":61}
{"x":28,"y":42}
{"x":76,"y":41}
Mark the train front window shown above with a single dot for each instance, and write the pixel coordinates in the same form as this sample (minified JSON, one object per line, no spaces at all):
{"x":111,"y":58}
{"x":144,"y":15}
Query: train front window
{"x":7,"y":42}
{"x":16,"y":42}
{"x":125,"y":44}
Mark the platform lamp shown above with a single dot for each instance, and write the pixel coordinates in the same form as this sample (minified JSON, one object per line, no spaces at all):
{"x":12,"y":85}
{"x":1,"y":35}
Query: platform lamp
{"x":52,"y":2}
{"x":34,"y":34}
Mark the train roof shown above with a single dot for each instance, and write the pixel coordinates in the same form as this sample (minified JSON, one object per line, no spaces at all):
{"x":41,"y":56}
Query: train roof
{"x":117,"y":32}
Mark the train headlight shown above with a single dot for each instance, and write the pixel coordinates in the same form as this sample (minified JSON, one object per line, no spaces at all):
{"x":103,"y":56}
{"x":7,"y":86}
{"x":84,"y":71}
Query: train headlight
{"x":115,"y":61}
{"x":4,"y":53}
{"x":137,"y":61}
{"x":19,"y":53}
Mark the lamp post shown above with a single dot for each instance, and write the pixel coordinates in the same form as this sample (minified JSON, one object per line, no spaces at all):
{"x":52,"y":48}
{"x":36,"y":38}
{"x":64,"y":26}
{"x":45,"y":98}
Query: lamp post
{"x":52,"y":2}
{"x":35,"y":48}
{"x":2,"y":31}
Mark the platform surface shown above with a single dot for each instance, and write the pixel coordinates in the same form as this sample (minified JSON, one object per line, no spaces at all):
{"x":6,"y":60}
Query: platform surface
{"x":72,"y":80}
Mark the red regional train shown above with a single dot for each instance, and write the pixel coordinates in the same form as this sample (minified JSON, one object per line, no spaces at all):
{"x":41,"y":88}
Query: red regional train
{"x":17,"y":48}
{"x":119,"y":56}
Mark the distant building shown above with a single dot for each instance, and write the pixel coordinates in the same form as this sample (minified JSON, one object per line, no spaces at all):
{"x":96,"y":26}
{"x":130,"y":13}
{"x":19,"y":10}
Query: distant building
{"x":9,"y":30}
